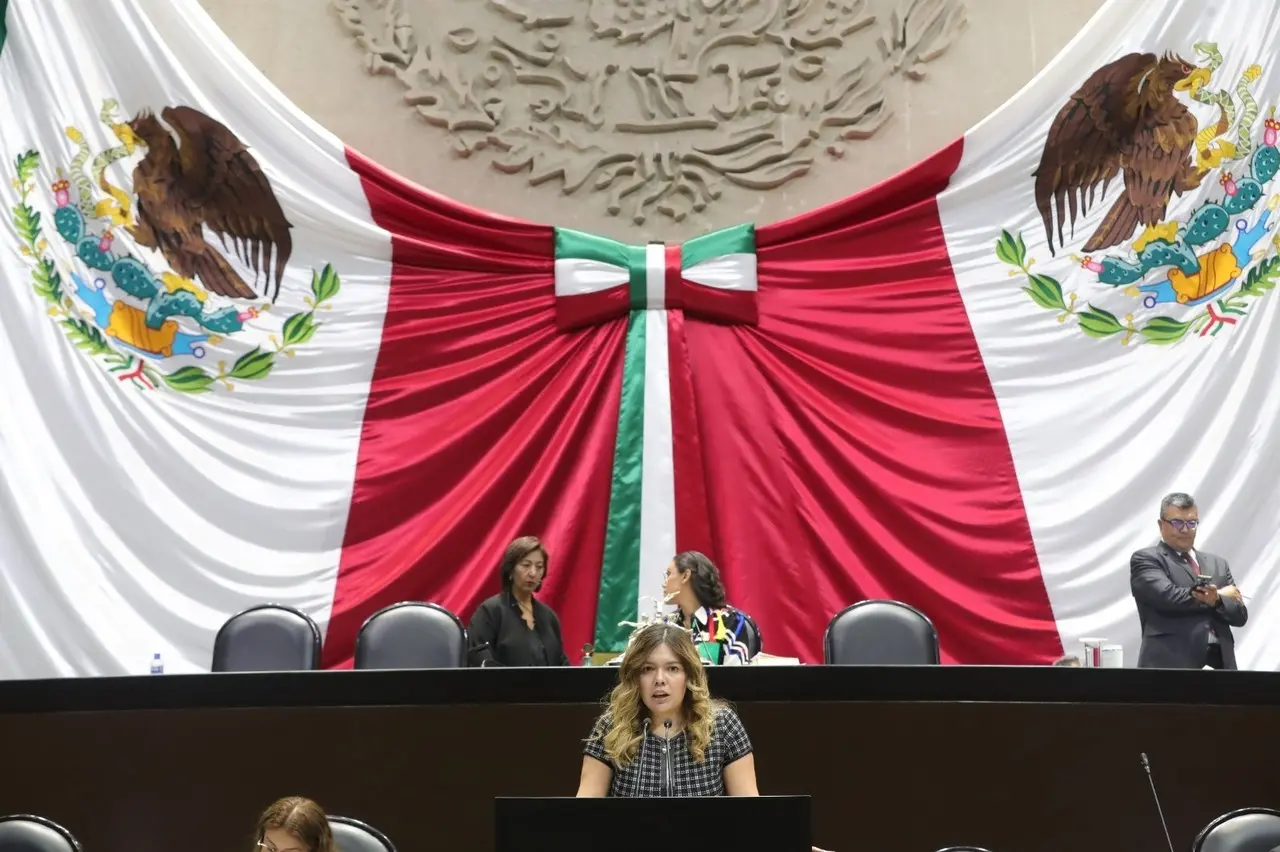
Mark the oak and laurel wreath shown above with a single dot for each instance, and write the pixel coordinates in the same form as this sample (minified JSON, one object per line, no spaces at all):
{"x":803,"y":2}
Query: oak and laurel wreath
{"x":1046,"y":292}
{"x":47,"y":281}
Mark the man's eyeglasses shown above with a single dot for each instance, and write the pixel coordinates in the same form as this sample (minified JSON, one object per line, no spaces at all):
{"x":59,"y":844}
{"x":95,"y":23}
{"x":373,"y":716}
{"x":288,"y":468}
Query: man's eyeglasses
{"x":264,"y":846}
{"x":1181,"y":525}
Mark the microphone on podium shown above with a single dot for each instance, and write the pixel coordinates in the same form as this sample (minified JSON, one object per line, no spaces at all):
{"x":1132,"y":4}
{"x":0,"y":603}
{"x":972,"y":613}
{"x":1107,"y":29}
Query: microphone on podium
{"x":668,"y":781}
{"x":644,"y":739}
{"x":1146,"y":764}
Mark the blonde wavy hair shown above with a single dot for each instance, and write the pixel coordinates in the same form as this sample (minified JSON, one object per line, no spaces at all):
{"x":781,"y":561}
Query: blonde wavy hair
{"x":626,"y":704}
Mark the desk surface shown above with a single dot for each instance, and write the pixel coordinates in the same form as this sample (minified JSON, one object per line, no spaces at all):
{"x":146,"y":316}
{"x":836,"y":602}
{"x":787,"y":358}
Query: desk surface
{"x":1003,"y":758}
{"x":1003,"y":684}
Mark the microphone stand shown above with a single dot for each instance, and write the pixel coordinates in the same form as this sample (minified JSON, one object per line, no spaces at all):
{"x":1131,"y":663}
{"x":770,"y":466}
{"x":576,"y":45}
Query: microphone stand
{"x":666,"y":759}
{"x":1159,"y":810}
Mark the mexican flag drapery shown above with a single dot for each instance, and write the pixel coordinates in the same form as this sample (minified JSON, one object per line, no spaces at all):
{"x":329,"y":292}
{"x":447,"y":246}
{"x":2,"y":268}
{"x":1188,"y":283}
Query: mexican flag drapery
{"x":242,"y":363}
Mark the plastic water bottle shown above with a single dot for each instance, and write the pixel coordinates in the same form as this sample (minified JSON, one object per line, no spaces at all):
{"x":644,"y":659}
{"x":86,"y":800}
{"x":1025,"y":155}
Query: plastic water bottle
{"x":157,"y":664}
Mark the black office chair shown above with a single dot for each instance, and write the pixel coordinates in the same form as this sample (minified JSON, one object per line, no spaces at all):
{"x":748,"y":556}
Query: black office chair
{"x":352,"y":835}
{"x":751,"y":635}
{"x":1243,"y":830}
{"x":412,"y":635}
{"x":267,"y":638}
{"x":27,"y":833}
{"x":881,"y":633}
{"x":963,"y":849}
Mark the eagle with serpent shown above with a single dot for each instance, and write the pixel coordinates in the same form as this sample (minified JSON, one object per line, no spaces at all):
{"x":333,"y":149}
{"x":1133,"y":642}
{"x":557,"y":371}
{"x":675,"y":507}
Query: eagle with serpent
{"x":1193,"y":275}
{"x":152,"y":306}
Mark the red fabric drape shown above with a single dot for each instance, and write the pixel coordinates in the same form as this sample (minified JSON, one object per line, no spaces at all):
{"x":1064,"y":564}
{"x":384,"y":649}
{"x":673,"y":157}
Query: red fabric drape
{"x":849,"y":446}
{"x":483,"y":422}
{"x":693,"y":518}
{"x":856,"y":447}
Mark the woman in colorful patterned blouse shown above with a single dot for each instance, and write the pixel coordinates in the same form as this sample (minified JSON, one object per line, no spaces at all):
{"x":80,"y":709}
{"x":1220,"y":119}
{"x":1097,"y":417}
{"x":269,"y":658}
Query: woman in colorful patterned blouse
{"x":724,"y":635}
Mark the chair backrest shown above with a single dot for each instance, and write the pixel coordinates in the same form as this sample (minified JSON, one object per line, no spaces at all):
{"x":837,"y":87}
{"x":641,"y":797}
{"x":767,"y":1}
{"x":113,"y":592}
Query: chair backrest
{"x":267,"y":638}
{"x":352,"y":835}
{"x":963,"y":849}
{"x":1243,"y":830}
{"x":751,"y":635}
{"x":27,"y":833}
{"x":412,"y":635}
{"x":881,"y":633}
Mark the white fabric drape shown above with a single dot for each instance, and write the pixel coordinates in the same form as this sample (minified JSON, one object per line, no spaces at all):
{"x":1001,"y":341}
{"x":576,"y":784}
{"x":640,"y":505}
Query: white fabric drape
{"x":135,"y":521}
{"x":1101,"y":429}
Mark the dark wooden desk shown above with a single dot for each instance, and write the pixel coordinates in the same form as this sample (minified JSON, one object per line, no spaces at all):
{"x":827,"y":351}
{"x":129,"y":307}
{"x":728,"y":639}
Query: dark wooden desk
{"x":904,"y":759}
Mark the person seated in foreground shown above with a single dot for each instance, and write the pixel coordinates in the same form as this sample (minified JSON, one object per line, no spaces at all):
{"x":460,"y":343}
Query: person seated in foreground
{"x":1069,"y":661}
{"x":720,"y":632}
{"x":294,"y":824}
{"x":662,"y":695}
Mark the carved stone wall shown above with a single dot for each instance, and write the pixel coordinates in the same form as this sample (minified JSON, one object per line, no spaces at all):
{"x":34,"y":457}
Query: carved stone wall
{"x":645,"y":108}
{"x":646,"y":119}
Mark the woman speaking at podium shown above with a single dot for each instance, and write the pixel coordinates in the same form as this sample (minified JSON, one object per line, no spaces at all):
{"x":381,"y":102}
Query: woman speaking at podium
{"x":663,"y":734}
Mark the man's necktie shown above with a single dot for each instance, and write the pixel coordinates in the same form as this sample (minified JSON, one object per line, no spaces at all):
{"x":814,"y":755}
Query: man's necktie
{"x":1195,"y":568}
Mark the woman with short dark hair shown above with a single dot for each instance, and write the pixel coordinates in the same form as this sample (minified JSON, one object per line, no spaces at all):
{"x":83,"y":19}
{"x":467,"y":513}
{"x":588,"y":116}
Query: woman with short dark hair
{"x":513,"y":628}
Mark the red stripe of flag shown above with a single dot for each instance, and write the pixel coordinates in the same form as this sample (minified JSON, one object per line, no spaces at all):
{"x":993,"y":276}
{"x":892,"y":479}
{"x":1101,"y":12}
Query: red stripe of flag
{"x":853,"y":444}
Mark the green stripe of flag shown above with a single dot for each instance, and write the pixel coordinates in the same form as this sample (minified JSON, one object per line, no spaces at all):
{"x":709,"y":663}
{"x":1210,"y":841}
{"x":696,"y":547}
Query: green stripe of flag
{"x":619,"y":577}
{"x":740,"y":239}
{"x":584,"y":246}
{"x":571,"y":243}
{"x":639,"y":285}
{"x":4,"y":27}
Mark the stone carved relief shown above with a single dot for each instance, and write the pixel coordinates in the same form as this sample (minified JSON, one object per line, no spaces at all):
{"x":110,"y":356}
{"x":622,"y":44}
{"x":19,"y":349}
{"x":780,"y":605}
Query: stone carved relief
{"x":658,"y":105}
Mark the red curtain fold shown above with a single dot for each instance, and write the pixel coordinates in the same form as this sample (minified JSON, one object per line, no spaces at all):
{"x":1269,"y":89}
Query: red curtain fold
{"x":858,"y":447}
{"x":483,"y":422}
{"x":693,"y":518}
{"x":847,"y":447}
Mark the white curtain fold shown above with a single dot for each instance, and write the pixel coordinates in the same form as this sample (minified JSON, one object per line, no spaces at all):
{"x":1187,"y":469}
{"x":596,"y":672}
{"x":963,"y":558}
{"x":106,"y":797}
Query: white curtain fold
{"x":1101,"y":428}
{"x":135,"y":521}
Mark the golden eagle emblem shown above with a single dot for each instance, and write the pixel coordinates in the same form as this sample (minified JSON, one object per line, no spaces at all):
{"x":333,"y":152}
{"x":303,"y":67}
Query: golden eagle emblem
{"x":201,"y":175}
{"x":1125,"y":118}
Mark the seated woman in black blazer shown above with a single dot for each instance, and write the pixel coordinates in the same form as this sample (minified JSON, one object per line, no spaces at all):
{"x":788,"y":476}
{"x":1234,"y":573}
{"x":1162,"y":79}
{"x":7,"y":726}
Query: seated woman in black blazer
{"x":513,"y":628}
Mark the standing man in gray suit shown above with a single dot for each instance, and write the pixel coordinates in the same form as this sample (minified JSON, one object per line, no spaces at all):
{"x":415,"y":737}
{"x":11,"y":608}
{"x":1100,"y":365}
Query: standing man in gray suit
{"x":1187,"y":600}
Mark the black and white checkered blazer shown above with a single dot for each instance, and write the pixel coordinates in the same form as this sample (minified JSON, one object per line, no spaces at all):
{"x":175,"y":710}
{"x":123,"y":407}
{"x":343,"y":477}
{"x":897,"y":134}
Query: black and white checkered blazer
{"x":642,"y":777}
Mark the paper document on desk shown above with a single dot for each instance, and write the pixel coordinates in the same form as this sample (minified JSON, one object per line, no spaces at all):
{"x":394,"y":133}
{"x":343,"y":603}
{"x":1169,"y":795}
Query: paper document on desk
{"x":770,"y":660}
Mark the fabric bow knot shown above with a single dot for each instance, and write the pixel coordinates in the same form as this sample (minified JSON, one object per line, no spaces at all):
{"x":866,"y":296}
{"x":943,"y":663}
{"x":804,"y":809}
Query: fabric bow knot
{"x":712,"y":277}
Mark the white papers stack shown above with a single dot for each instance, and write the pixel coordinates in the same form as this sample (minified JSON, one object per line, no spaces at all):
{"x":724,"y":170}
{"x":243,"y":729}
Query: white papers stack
{"x":770,"y":660}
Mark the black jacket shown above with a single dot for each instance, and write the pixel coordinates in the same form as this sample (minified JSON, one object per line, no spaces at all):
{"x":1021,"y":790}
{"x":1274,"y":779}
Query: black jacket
{"x":500,"y":637}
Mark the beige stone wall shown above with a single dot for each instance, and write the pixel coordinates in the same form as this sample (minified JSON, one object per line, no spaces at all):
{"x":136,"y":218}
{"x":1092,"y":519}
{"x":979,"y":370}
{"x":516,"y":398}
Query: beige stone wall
{"x":573,"y":86}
